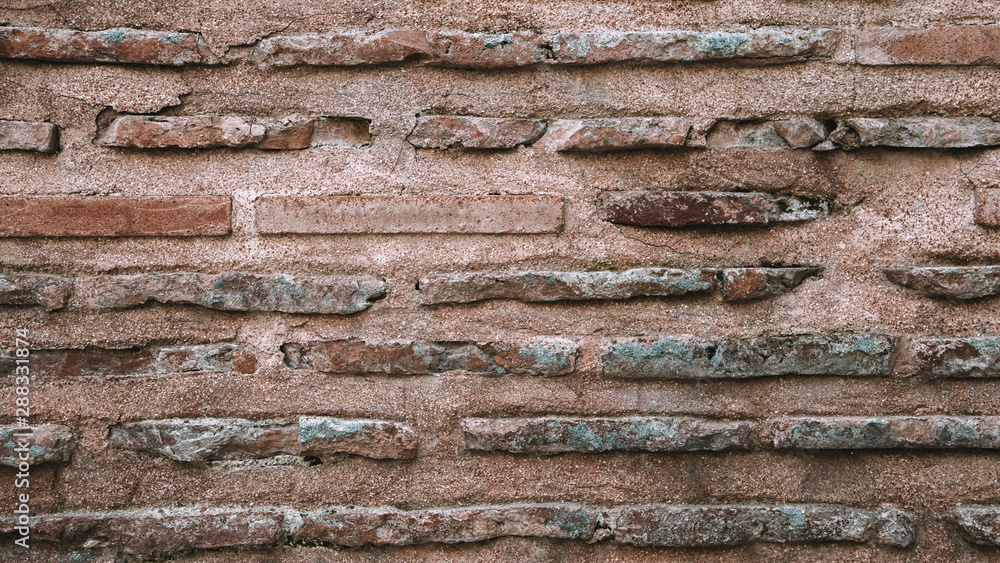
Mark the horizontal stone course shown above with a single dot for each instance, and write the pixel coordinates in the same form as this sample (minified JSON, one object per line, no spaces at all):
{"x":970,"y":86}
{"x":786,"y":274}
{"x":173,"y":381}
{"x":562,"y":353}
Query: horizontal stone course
{"x":951,"y":282}
{"x":36,"y":444}
{"x":28,"y":136}
{"x":148,"y":360}
{"x":118,"y":45}
{"x":615,"y":133}
{"x":444,"y":131}
{"x":975,"y":357}
{"x":49,"y":292}
{"x":539,"y":356}
{"x":117,"y":216}
{"x":210,"y":439}
{"x":443,"y":214}
{"x":888,"y":432}
{"x":690,"y":208}
{"x":751,"y":284}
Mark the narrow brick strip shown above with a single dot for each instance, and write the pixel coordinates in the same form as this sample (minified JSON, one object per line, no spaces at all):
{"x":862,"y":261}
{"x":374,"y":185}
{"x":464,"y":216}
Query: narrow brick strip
{"x":689,"y":357}
{"x":888,"y":432}
{"x":148,"y":360}
{"x":751,"y":284}
{"x":961,"y":282}
{"x":975,"y":357}
{"x":541,"y":357}
{"x":99,"y":216}
{"x":47,"y":443}
{"x":445,"y":131}
{"x":916,"y":132}
{"x":504,"y":214}
{"x":211,"y":439}
{"x":614,"y":134}
{"x":685,"y":209}
{"x":28,"y":136}
{"x":978,"y":524}
{"x":49,"y":292}
{"x":565,"y":286}
{"x":119,"y":45}
{"x":948,"y":45}
{"x":587,"y":435}
{"x":237,"y":291}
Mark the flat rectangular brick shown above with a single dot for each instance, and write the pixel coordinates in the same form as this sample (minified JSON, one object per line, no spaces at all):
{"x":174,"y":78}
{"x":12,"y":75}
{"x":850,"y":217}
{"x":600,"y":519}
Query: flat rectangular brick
{"x":615,"y":134}
{"x":947,"y":45}
{"x":503,"y":214}
{"x":887,"y":432}
{"x":949,"y":282}
{"x":924,"y":132}
{"x":46,"y":443}
{"x":49,"y":292}
{"x":685,"y":209}
{"x":975,"y":357}
{"x":445,"y":131}
{"x":149,"y":360}
{"x":28,"y":136}
{"x":119,"y":45}
{"x":104,"y":216}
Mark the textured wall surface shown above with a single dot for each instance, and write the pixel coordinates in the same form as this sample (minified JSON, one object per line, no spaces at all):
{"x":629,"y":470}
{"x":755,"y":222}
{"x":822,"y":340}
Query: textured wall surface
{"x":623,"y":280}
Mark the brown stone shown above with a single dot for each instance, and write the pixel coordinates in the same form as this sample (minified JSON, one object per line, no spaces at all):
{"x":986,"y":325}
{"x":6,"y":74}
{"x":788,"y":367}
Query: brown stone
{"x":28,"y":136}
{"x":749,"y":284}
{"x":759,"y":135}
{"x":48,"y":292}
{"x":951,"y":282}
{"x":683,"y":209}
{"x":565,"y":286}
{"x":334,"y":295}
{"x":623,"y":133}
{"x":543,"y":357}
{"x":987,"y":202}
{"x":119,"y":45}
{"x":917,"y":132}
{"x":149,"y":360}
{"x":43,"y":443}
{"x":187,"y":132}
{"x":977,"y":357}
{"x":948,"y":45}
{"x":486,"y":50}
{"x":443,"y":131}
{"x":379,"y":439}
{"x":287,"y":133}
{"x":514,"y":214}
{"x":118,"y":216}
{"x":344,"y":49}
{"x":802,"y":132}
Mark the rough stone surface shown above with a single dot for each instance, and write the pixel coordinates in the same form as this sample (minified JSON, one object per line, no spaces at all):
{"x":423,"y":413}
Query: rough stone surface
{"x":379,"y":439}
{"x":749,"y":284}
{"x":690,"y":357}
{"x":565,"y":286}
{"x":979,"y":524}
{"x":47,"y":443}
{"x":124,"y":216}
{"x":801,"y":133}
{"x":542,"y":356}
{"x":917,"y":132}
{"x":961,"y":282}
{"x":28,"y":136}
{"x":977,"y":357}
{"x":760,"y":135}
{"x":684,"y":209}
{"x":987,"y":202}
{"x":861,"y":433}
{"x":236,"y":291}
{"x":486,"y":50}
{"x":682,"y":46}
{"x":148,"y":360}
{"x":501,"y":214}
{"x":944,"y":45}
{"x":48,"y":292}
{"x":562,"y":435}
{"x":445,"y":131}
{"x":734,"y":525}
{"x":343,"y":49}
{"x":613,"y":134}
{"x":119,"y":45}
{"x":388,"y":526}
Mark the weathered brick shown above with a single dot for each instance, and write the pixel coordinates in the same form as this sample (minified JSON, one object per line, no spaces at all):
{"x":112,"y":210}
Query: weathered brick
{"x":952,"y":357}
{"x":678,"y":46}
{"x":388,"y":526}
{"x":514,"y":214}
{"x":119,"y":45}
{"x":118,"y":216}
{"x":801,"y":132}
{"x":950,"y":45}
{"x":683,"y":209}
{"x":987,"y":202}
{"x":209,"y":439}
{"x":886,"y":432}
{"x":486,"y":50}
{"x":917,"y":132}
{"x":565,"y":286}
{"x":337,"y":295}
{"x":444,"y":131}
{"x":148,"y":360}
{"x":343,"y":49}
{"x":562,"y":435}
{"x":749,"y":284}
{"x":735,"y":525}
{"x":48,"y":443}
{"x":542,"y":356}
{"x":760,"y":135}
{"x":962,"y":282}
{"x":611,"y":134}
{"x":28,"y":136}
{"x":978,"y":524}
{"x":689,"y":357}
{"x":162,"y":531}
{"x":49,"y":292}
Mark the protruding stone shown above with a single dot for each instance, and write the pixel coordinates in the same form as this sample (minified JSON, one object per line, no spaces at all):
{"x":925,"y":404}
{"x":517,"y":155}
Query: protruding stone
{"x":987,"y":202}
{"x":119,"y":45}
{"x":486,"y":50}
{"x":975,"y":357}
{"x":917,"y":132}
{"x":149,"y":360}
{"x":959,"y":282}
{"x":684,"y":209}
{"x":43,"y":443}
{"x":802,"y":132}
{"x":565,"y":286}
{"x":749,"y":284}
{"x":542,"y":356}
{"x":336,"y":295}
{"x":887,"y":432}
{"x":379,"y":439}
{"x":28,"y":135}
{"x":587,"y":435}
{"x":689,"y":357}
{"x":760,"y":135}
{"x":612,"y":134}
{"x":443,"y":131}
{"x":48,"y":292}
{"x":979,"y":524}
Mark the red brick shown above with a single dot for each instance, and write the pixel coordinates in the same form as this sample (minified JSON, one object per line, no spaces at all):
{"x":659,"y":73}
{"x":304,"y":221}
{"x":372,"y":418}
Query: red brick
{"x":951,"y":45}
{"x":987,"y":201}
{"x":486,"y":50}
{"x":28,"y":136}
{"x":149,"y":360}
{"x":750,"y":284}
{"x":99,"y":216}
{"x":598,"y":135}
{"x":513,"y":214}
{"x":119,"y":45}
{"x":343,"y":49}
{"x":444,"y":131}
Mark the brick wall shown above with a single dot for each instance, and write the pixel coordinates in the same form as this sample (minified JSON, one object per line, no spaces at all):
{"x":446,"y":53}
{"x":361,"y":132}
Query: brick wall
{"x":630,"y":280}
